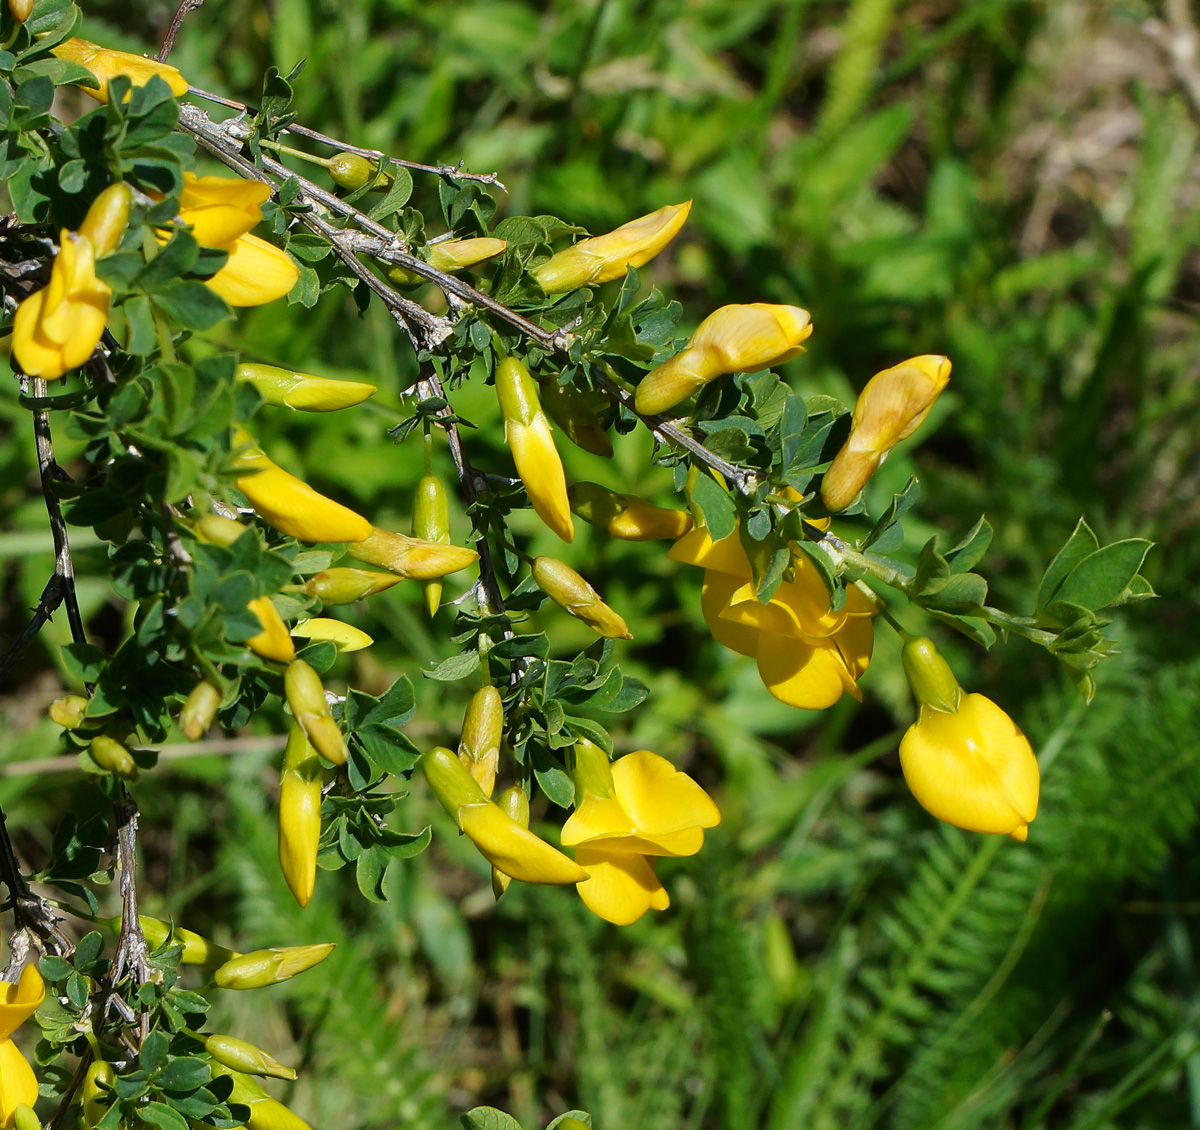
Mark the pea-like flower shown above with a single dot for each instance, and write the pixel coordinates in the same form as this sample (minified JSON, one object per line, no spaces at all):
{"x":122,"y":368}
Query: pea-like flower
{"x":274,"y":641}
{"x":245,"y":1057}
{"x":57,"y":328}
{"x":260,"y":968}
{"x":808,"y":655}
{"x":603,"y":258}
{"x":265,"y":1113}
{"x":891,"y":406}
{"x":732,"y":339}
{"x":18,"y":1003}
{"x":106,"y":64}
{"x":965,"y":760}
{"x":307,"y":702}
{"x":626,"y":814}
{"x":625,"y":516}
{"x":299,"y":816}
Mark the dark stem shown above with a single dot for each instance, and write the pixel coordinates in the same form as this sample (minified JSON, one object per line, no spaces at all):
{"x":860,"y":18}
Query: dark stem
{"x":132,"y":953}
{"x":185,"y":9}
{"x":36,"y":924}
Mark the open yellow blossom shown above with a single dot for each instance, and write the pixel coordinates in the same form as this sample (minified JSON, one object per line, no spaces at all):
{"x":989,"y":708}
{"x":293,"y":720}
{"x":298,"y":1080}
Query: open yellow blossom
{"x":107,"y":64}
{"x":891,"y":406}
{"x":57,"y":328}
{"x":641,"y":806}
{"x":732,"y":339}
{"x":603,"y":258}
{"x":274,"y":641}
{"x":808,"y":655}
{"x":17,"y":1004}
{"x":965,"y":760}
{"x":288,"y":503}
{"x":255,"y":273}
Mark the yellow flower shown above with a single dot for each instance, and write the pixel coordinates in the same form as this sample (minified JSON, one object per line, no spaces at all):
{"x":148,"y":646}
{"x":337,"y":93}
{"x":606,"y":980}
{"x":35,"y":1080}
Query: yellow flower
{"x":603,"y":258}
{"x":299,"y":815}
{"x":306,"y":700}
{"x":638,"y":807}
{"x":479,"y":741}
{"x":274,"y":641}
{"x":514,"y":803}
{"x":107,"y":218}
{"x":245,"y":1057}
{"x":301,"y":391}
{"x":808,"y":655}
{"x":508,"y":847}
{"x":345,"y":637}
{"x":288,"y":503}
{"x":57,"y":328}
{"x":17,"y":1082}
{"x":259,"y":968}
{"x":626,"y":516}
{"x":891,"y":406}
{"x":106,"y":64}
{"x":411,"y":557}
{"x":574,"y":595}
{"x":452,"y":255}
{"x":964,"y":759}
{"x":733,"y":339}
{"x":266,"y":1113}
{"x":527,"y":432}
{"x":255,"y":273}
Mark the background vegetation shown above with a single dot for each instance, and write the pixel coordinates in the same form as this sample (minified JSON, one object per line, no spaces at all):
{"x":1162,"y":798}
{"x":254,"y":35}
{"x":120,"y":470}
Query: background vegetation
{"x":1010,"y":183}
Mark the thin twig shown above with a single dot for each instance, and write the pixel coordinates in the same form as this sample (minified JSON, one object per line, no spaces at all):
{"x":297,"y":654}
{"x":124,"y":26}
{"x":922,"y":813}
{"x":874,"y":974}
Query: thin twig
{"x":36,"y":924}
{"x":176,"y":751}
{"x":51,"y":598}
{"x":133,"y":955}
{"x":185,"y":9}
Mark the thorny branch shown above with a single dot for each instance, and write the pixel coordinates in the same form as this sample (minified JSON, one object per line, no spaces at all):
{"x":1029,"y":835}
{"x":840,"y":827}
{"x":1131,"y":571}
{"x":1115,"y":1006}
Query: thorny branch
{"x":132,"y":956}
{"x":36,"y":924}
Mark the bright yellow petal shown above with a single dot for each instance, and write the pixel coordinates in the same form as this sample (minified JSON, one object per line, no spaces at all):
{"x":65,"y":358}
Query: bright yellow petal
{"x":855,"y":642}
{"x":346,"y":636}
{"x":714,"y":597}
{"x":725,"y":556}
{"x":221,"y":209}
{"x":274,"y":641}
{"x":540,"y":468}
{"x":256,"y":272}
{"x":810,"y":676}
{"x":21,"y":1000}
{"x":659,"y":798}
{"x":595,"y":817}
{"x":18,"y":1084}
{"x":515,"y":850}
{"x":620,"y":888}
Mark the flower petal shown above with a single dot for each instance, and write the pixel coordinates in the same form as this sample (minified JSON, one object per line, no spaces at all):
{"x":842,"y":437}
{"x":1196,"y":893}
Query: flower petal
{"x":620,"y":888}
{"x":20,"y":1001}
{"x":660,"y":799}
{"x":255,"y":273}
{"x":696,"y":547}
{"x":18,"y":1084}
{"x":515,"y":850}
{"x":811,"y":676}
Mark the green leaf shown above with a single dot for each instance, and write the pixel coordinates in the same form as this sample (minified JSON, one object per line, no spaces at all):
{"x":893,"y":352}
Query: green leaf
{"x":1080,"y":544}
{"x":161,"y":1115}
{"x":456,"y":667}
{"x":1101,"y":579}
{"x":183,"y":1073}
{"x":488,"y":1118}
{"x":887,"y":535}
{"x":370,"y":872}
{"x":970,"y":551}
{"x":191,"y":304}
{"x":394,"y":706}
{"x":716,"y":504}
{"x":397,"y":196}
{"x":578,"y":1115}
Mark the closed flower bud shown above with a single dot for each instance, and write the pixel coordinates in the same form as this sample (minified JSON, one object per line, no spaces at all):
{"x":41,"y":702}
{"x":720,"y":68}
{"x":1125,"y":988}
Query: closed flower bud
{"x":21,"y":10}
{"x":113,"y":757}
{"x":199,"y":710}
{"x":229,"y":1051}
{"x":220,"y":210}
{"x":964,"y":759}
{"x":56,"y":329}
{"x":265,"y":1113}
{"x":606,"y":257}
{"x":345,"y":637}
{"x":733,"y":339}
{"x":96,"y":1092}
{"x":259,"y":968}
{"x":411,"y":557}
{"x":431,"y":522}
{"x":579,"y":414}
{"x":507,"y":846}
{"x":274,"y":641}
{"x":625,"y":516}
{"x":107,"y":219}
{"x":306,"y":698}
{"x":479,"y":743}
{"x":573,"y":594}
{"x":299,"y":817}
{"x":197,"y":949}
{"x":351,"y":170}
{"x":256,"y":272}
{"x":305,"y":393}
{"x":514,"y":803}
{"x":69,"y":711}
{"x":216,"y":529}
{"x":450,"y":256}
{"x":289,"y":504}
{"x":107,"y":64}
{"x":343,"y":585}
{"x":527,"y":431}
{"x":891,"y":406}
{"x":24,"y":1117}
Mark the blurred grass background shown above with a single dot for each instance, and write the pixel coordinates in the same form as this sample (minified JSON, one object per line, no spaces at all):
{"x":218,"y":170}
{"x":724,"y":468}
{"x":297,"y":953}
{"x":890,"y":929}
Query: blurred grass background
{"x":1010,"y":183}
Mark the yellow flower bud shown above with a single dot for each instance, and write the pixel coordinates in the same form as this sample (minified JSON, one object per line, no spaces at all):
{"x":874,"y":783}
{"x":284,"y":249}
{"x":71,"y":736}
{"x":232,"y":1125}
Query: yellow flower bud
{"x":343,"y":585}
{"x":197,"y":949}
{"x":305,"y":393}
{"x":113,"y":757}
{"x":603,"y":258}
{"x":500,"y":839}
{"x":964,"y":759}
{"x":107,"y":219}
{"x":289,"y":504}
{"x":411,"y":557}
{"x":199,"y":710}
{"x":217,"y":529}
{"x":266,"y":1113}
{"x":479,"y":743}
{"x":69,"y":711}
{"x":625,"y":516}
{"x":431,"y":522}
{"x":527,"y":431}
{"x":107,"y":64}
{"x":24,"y":1117}
{"x":351,"y":170}
{"x":299,"y":817}
{"x":891,"y":406}
{"x":241,"y":1056}
{"x":450,"y":256}
{"x":274,"y":641}
{"x":56,"y":329}
{"x":260,"y":968}
{"x":732,"y":339}
{"x":573,"y":594}
{"x":20,"y":10}
{"x":579,"y":414}
{"x":96,"y":1092}
{"x":306,"y":698}
{"x":345,"y":637}
{"x":514,"y":803}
